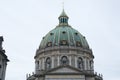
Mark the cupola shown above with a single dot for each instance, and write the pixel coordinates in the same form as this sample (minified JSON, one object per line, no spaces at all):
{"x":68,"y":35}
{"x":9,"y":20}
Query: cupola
{"x":63,"y":18}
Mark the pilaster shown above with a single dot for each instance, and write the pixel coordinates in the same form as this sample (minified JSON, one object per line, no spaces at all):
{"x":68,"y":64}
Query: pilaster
{"x":52,"y":61}
{"x":70,"y":60}
{"x":58,"y":60}
{"x":75,"y":61}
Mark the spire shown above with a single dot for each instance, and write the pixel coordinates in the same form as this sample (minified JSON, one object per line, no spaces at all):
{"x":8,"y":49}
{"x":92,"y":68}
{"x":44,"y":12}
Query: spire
{"x":63,"y":18}
{"x":63,"y":14}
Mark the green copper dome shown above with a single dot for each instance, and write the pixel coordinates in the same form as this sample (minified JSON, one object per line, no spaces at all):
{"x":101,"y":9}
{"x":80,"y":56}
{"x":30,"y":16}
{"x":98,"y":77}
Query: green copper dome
{"x":64,"y":35}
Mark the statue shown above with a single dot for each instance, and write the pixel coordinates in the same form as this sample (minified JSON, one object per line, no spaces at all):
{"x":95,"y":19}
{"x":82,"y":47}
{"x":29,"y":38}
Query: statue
{"x":1,"y":40}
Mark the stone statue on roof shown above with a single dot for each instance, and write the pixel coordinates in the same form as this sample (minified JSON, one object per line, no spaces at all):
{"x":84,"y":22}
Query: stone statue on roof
{"x":1,"y":40}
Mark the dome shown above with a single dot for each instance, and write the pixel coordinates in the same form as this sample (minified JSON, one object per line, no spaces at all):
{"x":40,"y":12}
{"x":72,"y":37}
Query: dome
{"x":64,"y":35}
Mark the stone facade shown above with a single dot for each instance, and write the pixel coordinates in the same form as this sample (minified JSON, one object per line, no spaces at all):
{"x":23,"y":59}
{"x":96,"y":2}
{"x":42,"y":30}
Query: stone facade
{"x":73,"y":55}
{"x":56,"y":54}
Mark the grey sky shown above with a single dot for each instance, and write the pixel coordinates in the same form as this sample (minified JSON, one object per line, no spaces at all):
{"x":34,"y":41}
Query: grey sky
{"x":23,"y":23}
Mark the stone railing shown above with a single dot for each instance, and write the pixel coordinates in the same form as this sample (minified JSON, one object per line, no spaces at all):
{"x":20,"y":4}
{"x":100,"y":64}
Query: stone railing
{"x":62,"y":48}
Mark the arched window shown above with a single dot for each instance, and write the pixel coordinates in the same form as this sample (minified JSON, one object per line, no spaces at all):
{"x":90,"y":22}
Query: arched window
{"x":80,"y":63}
{"x":91,"y":64}
{"x":65,"y":20}
{"x":48,"y":63}
{"x":49,"y":44}
{"x":63,"y":42}
{"x":78,"y":44}
{"x":64,"y":60}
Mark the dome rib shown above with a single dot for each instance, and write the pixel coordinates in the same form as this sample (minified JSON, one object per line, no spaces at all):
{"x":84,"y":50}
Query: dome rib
{"x":68,"y":37}
{"x":73,"y":37}
{"x":53,"y":43}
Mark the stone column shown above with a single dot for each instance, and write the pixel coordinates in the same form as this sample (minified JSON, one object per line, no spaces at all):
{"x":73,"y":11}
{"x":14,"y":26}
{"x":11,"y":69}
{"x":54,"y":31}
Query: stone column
{"x":52,"y":61}
{"x":70,"y":60}
{"x":58,"y":60}
{"x":88,"y":64}
{"x":40,"y":65}
{"x":85,"y":63}
{"x":75,"y":61}
{"x":43,"y":63}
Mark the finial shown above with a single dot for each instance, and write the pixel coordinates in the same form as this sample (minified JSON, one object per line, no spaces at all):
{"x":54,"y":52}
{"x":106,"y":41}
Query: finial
{"x":63,"y":5}
{"x":63,"y":18}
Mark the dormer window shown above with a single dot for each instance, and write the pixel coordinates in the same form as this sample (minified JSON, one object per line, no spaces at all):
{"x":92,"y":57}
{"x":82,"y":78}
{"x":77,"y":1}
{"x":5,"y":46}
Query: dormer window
{"x":49,"y":44}
{"x":78,"y":44}
{"x":56,"y":44}
{"x":63,"y":42}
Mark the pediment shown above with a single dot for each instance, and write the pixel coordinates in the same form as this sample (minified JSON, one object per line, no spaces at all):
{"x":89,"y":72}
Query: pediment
{"x":64,"y":69}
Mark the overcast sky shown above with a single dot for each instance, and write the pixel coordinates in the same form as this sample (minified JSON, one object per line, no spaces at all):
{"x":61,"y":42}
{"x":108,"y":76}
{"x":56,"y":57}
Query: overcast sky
{"x":23,"y":23}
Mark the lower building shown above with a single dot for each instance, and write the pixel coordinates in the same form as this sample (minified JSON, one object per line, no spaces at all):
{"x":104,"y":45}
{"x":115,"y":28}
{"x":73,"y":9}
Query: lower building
{"x":3,"y":60}
{"x":64,"y":54}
